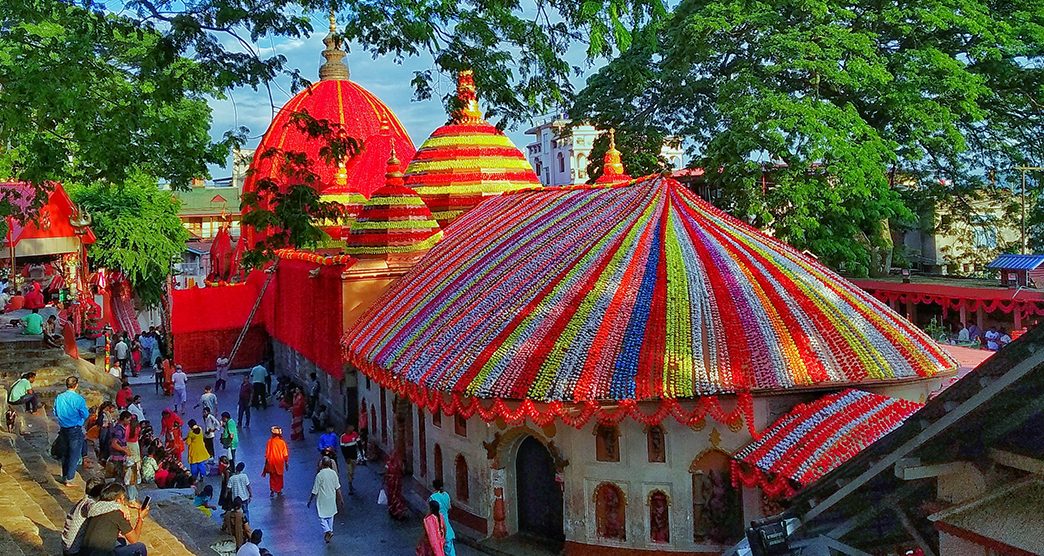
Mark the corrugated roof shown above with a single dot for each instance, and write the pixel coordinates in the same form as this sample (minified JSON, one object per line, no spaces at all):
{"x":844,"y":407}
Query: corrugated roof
{"x":1017,"y":262}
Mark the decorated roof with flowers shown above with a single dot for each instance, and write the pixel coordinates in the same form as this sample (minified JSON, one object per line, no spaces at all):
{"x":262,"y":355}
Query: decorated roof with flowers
{"x":338,"y":100}
{"x":633,"y":292}
{"x":394,"y":221}
{"x":814,"y":438}
{"x":466,"y":160}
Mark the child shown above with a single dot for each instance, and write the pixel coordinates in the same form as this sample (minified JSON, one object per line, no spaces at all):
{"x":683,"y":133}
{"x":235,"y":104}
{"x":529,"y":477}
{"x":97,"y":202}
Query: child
{"x":235,"y":523}
{"x":202,"y":500}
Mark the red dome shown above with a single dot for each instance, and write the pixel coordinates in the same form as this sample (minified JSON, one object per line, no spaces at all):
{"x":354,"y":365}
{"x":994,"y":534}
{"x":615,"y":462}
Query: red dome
{"x":338,"y":101}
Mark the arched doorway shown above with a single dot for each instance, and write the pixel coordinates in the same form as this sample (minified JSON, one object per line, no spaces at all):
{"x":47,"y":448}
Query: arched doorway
{"x":539,"y":497}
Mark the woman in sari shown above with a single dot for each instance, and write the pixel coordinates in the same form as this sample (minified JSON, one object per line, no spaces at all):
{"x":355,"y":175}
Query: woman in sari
{"x":297,"y":412}
{"x":168,"y":378}
{"x":277,"y":460}
{"x":433,"y":536}
{"x":393,"y":488}
{"x":171,"y":426}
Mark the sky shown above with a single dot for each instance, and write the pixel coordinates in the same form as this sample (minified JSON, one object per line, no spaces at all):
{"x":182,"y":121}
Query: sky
{"x":383,"y":77}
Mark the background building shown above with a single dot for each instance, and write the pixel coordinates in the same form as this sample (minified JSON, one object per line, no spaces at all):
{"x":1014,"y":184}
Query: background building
{"x":560,"y":155}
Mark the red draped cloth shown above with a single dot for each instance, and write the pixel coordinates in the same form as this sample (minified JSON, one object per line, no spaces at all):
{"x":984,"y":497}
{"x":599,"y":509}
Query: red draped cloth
{"x":393,"y":487}
{"x":297,"y":416}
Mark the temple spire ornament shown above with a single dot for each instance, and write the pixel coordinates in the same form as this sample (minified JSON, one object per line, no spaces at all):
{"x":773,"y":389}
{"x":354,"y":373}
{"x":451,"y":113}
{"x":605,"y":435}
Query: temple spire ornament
{"x":334,"y":68}
{"x":612,"y":165}
{"x":467,"y":111}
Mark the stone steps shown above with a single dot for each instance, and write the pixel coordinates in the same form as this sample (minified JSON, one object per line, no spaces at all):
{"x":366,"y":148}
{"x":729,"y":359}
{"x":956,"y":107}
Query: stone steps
{"x":28,"y":483}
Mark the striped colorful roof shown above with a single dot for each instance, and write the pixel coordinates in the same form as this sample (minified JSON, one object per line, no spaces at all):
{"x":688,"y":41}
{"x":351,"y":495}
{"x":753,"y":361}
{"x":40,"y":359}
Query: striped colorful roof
{"x":639,"y":291}
{"x":813,"y":439}
{"x":394,"y":221}
{"x":466,"y":160}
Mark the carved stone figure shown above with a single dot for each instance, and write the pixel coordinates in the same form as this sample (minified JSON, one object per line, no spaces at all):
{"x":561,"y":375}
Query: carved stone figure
{"x":609,"y":510}
{"x":659,"y":522}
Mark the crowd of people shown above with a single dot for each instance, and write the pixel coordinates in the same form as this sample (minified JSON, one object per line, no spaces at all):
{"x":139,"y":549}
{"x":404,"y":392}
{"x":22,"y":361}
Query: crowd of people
{"x":182,"y":449}
{"x":993,"y":338}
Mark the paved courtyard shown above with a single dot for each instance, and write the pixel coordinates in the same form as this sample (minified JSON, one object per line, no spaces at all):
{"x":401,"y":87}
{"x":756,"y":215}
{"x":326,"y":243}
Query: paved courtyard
{"x":362,"y":527}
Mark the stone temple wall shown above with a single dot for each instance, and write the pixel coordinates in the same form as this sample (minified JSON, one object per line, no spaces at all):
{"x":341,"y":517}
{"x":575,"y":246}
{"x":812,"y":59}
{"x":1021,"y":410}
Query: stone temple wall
{"x":338,"y":395}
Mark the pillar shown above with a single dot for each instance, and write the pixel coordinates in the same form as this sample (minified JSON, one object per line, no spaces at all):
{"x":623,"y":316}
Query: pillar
{"x":980,"y":317}
{"x":1017,"y":310}
{"x":911,"y":312}
{"x":964,"y":313}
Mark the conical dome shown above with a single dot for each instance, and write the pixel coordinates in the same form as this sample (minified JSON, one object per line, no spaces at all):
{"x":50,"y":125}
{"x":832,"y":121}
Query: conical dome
{"x":340,"y":101}
{"x":466,"y":160}
{"x":393,"y":222}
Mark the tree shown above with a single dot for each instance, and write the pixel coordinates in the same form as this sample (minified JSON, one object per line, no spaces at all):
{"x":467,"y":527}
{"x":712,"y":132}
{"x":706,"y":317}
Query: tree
{"x":816,"y":112}
{"x":88,"y":96}
{"x":138,"y":230}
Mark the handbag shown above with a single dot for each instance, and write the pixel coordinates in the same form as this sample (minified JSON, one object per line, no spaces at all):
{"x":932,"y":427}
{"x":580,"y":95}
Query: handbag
{"x":382,"y":498}
{"x":58,"y":448}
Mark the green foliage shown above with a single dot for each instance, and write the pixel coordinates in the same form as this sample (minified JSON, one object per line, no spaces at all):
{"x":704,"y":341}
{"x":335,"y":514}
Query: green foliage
{"x":639,"y":152}
{"x":87,"y":95}
{"x":138,"y":231}
{"x":285,"y":208}
{"x":814,"y":111}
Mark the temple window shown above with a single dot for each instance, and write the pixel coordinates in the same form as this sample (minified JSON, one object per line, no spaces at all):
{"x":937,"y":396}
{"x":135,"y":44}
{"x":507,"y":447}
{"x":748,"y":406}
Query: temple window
{"x":461,"y":472}
{"x":561,"y":162}
{"x":610,"y":512}
{"x":717,"y":512}
{"x":655,"y":439}
{"x":659,"y":517}
{"x":437,"y":464}
{"x":436,"y":418}
{"x":422,"y":440}
{"x":607,"y":443}
{"x":460,"y":425}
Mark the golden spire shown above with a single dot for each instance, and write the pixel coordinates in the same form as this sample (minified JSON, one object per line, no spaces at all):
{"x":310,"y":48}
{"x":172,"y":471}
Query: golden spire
{"x":612,"y":165}
{"x":334,"y":68}
{"x":341,"y":177}
{"x":467,"y":111}
{"x":394,"y":174}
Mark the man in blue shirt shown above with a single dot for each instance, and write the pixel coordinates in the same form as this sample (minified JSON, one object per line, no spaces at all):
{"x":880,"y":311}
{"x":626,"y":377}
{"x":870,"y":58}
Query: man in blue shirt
{"x":70,"y":409}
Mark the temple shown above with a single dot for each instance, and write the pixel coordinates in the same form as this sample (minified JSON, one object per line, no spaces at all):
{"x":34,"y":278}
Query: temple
{"x":609,"y":368}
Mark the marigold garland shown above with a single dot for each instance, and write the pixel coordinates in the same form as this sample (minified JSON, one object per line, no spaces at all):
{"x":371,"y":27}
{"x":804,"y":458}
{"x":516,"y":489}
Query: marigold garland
{"x":319,"y":259}
{"x":813,"y":439}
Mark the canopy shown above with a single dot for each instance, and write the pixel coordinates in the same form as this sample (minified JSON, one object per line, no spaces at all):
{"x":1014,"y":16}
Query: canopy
{"x":49,"y":229}
{"x":635,"y":292}
{"x":813,"y":439}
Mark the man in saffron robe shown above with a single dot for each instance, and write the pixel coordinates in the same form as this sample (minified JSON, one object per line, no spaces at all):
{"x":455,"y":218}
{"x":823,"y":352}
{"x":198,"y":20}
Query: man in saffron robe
{"x":277,"y":461}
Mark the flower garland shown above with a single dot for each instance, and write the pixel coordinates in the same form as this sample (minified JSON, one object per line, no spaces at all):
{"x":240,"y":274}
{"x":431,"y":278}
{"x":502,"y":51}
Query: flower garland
{"x":316,"y":258}
{"x":814,"y":438}
{"x":574,"y":414}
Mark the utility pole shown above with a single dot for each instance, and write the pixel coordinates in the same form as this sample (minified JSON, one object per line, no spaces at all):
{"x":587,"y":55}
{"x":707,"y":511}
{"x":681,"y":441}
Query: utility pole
{"x":1022,"y":221}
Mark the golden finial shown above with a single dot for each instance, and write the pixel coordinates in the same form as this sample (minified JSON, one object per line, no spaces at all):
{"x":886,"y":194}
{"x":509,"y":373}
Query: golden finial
{"x":334,"y":67}
{"x":468,"y":110}
{"x":341,"y":177}
{"x":612,"y":163}
{"x":394,"y":174}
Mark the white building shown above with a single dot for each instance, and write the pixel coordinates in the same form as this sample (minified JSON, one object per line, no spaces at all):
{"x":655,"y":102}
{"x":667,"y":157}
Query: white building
{"x":560,"y":156}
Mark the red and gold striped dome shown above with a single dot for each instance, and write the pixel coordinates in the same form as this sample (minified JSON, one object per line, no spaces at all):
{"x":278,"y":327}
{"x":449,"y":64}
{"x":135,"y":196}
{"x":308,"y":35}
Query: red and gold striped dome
{"x":393,"y":222}
{"x":466,"y":160}
{"x":340,"y":101}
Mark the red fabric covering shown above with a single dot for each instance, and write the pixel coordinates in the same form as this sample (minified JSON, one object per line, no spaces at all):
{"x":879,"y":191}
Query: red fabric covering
{"x":206,"y":322}
{"x":1030,"y":301}
{"x":50,"y":221}
{"x":305,"y":313}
